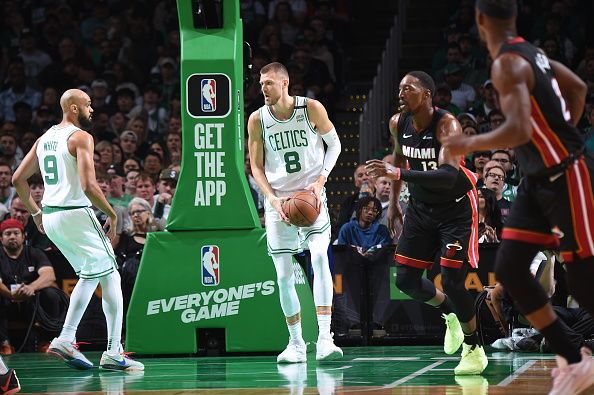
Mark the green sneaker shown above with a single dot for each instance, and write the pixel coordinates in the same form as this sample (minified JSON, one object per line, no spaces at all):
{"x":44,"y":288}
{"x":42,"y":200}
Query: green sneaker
{"x":473,"y":385}
{"x":454,"y":336}
{"x":474,"y":360}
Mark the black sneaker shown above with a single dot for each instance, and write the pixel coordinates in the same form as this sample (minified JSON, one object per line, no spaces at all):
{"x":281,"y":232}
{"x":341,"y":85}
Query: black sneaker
{"x":528,"y":344}
{"x":589,"y":343}
{"x":9,"y":383}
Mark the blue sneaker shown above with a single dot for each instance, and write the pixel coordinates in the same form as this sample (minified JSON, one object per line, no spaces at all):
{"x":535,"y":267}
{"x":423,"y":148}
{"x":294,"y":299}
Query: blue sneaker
{"x":120,"y":362}
{"x":69,"y":353}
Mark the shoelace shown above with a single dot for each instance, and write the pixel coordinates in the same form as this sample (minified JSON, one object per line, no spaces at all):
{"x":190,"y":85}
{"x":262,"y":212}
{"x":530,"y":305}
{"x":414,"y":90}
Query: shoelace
{"x":126,"y":354}
{"x":76,"y":345}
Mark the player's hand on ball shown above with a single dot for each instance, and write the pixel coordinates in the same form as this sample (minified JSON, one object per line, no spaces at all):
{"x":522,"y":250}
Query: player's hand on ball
{"x":316,"y":188}
{"x":378,"y":168}
{"x":277,"y":203}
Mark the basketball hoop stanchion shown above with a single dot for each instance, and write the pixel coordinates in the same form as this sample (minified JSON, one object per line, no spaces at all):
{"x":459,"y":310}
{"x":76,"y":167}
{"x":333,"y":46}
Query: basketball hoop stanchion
{"x":210,"y":269}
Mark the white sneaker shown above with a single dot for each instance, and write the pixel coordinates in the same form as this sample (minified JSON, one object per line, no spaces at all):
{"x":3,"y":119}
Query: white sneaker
{"x":326,"y":350}
{"x":574,"y":378}
{"x":295,"y":375}
{"x":69,"y":353}
{"x":118,"y":384}
{"x":328,"y":379}
{"x":294,"y":353}
{"x":120,"y":362}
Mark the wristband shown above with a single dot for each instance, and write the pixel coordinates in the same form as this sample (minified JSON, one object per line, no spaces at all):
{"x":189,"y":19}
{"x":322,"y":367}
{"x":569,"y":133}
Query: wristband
{"x":36,"y":214}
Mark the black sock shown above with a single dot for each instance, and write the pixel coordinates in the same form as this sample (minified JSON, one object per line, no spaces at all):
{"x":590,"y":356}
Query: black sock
{"x":560,"y":343}
{"x":445,"y":307}
{"x":472,"y":339}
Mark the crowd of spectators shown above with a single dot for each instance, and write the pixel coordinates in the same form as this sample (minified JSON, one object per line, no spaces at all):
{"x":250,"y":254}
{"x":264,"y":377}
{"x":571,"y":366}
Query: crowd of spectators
{"x":126,"y":56}
{"x":461,"y":69}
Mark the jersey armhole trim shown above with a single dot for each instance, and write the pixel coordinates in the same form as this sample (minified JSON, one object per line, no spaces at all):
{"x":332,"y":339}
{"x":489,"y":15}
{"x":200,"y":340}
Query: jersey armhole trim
{"x":314,"y":131}
{"x":68,"y":138}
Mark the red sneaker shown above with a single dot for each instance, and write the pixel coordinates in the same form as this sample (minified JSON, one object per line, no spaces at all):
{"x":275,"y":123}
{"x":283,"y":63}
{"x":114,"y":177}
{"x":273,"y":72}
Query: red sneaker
{"x":9,"y":383}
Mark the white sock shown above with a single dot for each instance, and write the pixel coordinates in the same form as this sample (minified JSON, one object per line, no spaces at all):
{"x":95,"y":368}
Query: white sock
{"x":295,"y":332}
{"x":3,"y":367}
{"x":79,"y":300}
{"x":324,"y":325}
{"x":113,"y":308}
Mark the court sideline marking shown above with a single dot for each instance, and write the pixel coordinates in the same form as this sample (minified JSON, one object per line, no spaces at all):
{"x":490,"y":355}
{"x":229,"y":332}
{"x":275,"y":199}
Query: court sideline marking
{"x":516,"y":373}
{"x":413,"y":375}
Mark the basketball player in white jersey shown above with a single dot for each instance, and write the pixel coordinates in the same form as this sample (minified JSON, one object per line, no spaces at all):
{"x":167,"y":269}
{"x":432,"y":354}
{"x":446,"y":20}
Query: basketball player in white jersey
{"x":287,"y":155}
{"x":64,"y":154}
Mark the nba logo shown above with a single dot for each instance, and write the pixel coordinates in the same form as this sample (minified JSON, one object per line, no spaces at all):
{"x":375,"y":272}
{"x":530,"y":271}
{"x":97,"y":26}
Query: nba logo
{"x":209,"y":95}
{"x":209,"y":257}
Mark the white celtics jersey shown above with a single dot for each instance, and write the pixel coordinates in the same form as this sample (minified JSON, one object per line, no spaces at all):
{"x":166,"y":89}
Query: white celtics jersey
{"x":293,"y":150}
{"x":59,"y":169}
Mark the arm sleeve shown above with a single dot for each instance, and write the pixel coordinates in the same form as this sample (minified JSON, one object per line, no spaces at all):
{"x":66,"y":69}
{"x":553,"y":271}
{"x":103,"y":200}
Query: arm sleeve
{"x":333,"y":142}
{"x":442,"y":178}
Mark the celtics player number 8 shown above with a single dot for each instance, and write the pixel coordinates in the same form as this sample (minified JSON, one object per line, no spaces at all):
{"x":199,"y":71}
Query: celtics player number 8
{"x":51,"y":170}
{"x":292,"y":164}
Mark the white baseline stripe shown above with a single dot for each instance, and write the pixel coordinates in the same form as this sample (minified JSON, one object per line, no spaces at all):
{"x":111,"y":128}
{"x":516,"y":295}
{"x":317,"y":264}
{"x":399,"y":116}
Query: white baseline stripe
{"x":413,"y":375}
{"x":515,"y":374}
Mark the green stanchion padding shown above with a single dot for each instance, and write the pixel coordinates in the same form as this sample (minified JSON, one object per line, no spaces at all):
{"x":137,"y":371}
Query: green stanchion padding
{"x":175,"y":294}
{"x":211,"y":269}
{"x":212,"y":191}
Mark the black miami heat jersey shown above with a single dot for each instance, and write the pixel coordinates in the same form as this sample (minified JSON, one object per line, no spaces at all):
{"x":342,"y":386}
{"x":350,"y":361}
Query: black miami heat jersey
{"x":421,"y":149}
{"x":554,"y":138}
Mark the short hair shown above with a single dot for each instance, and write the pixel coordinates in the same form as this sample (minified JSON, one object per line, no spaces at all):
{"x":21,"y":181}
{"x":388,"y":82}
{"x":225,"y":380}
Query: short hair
{"x":275,"y":67}
{"x":4,"y":163}
{"x":103,"y":144}
{"x":489,"y":167}
{"x":364,"y":201}
{"x":152,"y":225}
{"x":144,"y":176}
{"x":425,"y":80}
{"x":36,"y":179}
{"x":501,"y":151}
{"x":499,"y":9}
{"x":102,"y":175}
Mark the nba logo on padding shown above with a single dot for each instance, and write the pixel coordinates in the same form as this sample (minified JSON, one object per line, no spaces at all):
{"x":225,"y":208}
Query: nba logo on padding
{"x":209,"y":95}
{"x":209,"y":258}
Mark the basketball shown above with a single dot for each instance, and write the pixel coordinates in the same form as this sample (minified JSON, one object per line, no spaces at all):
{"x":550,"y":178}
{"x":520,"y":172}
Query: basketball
{"x":302,"y":208}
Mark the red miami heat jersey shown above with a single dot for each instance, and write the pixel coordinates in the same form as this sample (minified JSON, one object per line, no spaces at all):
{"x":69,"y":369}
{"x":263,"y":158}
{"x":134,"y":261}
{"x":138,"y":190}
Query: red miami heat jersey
{"x":554,"y":138}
